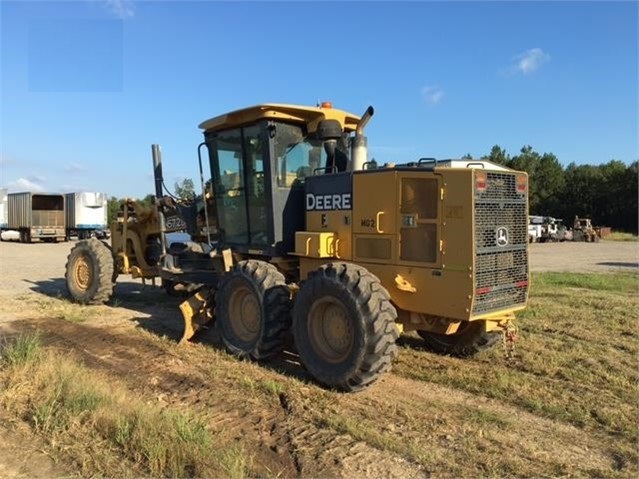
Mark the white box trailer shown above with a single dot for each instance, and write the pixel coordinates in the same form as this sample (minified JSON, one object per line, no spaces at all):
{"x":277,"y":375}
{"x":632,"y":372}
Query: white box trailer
{"x":86,"y":214}
{"x":36,"y":215}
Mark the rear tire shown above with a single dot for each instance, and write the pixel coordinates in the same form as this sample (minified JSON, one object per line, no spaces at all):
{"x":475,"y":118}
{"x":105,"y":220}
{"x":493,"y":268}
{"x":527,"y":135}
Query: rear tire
{"x":90,"y":274}
{"x":344,"y":326}
{"x":253,"y":310}
{"x":470,"y":340}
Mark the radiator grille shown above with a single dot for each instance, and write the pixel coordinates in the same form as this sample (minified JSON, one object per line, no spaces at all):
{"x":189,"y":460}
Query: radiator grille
{"x":501,"y":239}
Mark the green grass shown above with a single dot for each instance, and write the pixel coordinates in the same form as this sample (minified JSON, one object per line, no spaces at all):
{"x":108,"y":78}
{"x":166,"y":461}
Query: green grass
{"x":545,"y":283}
{"x":96,"y":423}
{"x":575,"y":366}
{"x":23,"y":350}
{"x":576,"y":358}
{"x":617,"y":236}
{"x":60,"y":307}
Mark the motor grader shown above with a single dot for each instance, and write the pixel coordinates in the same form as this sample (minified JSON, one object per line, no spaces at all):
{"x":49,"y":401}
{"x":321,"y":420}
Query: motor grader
{"x":299,"y":236}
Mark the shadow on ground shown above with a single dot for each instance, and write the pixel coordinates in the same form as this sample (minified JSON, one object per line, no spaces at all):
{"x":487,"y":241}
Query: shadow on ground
{"x":159,"y":314}
{"x":619,"y":264}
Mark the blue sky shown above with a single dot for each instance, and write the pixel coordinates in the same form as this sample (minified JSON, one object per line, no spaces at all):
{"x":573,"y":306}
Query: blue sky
{"x":88,"y":85}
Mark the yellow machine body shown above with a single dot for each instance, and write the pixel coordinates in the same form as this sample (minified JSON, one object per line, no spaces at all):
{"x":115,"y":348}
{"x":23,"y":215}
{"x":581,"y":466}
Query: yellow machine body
{"x":419,"y":232}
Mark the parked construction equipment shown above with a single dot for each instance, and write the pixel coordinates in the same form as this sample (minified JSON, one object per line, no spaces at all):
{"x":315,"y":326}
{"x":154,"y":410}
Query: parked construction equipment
{"x":583,"y":230}
{"x":299,"y":235}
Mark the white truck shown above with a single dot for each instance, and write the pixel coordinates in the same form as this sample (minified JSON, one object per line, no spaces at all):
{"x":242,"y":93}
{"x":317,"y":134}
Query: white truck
{"x":86,"y":214}
{"x":542,"y":229}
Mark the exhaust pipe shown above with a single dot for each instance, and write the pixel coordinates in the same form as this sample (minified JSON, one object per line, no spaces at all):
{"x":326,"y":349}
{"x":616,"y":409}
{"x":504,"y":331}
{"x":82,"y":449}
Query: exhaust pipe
{"x":359,"y":143}
{"x":157,"y":170}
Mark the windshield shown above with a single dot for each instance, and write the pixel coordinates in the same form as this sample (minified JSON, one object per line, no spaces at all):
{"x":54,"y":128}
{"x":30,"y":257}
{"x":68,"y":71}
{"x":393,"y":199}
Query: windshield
{"x":297,"y":155}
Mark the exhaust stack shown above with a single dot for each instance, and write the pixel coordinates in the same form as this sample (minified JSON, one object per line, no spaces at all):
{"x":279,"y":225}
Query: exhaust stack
{"x":157,"y":170}
{"x":359,"y":143}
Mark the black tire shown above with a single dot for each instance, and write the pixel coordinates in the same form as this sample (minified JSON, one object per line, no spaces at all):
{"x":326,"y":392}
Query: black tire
{"x":253,"y":310}
{"x":344,"y":326}
{"x":468,"y":341}
{"x":90,"y":274}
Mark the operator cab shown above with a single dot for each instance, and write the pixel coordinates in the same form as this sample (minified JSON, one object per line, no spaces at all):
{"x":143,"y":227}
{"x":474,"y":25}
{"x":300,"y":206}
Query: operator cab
{"x":259,"y":158}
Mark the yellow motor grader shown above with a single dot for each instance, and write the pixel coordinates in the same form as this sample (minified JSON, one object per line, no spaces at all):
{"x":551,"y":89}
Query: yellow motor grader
{"x":299,"y":235}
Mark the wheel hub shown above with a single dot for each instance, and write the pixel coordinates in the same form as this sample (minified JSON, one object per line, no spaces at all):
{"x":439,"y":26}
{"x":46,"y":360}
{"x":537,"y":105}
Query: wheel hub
{"x":330,"y":329}
{"x":83,"y":273}
{"x":246,"y":315}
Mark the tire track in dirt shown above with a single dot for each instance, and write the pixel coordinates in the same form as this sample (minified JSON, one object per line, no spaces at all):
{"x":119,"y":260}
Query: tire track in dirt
{"x":282,"y":430}
{"x":279,"y":434}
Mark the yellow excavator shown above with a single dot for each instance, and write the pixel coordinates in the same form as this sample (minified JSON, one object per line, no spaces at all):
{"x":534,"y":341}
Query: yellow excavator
{"x":299,"y":235}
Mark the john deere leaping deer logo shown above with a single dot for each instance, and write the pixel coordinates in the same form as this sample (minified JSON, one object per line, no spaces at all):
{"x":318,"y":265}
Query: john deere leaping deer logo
{"x":502,"y":236}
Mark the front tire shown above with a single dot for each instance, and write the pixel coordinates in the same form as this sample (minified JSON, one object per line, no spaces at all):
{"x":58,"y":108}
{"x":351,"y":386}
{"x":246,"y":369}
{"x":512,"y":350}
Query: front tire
{"x":90,"y":272}
{"x":344,"y":326}
{"x":468,"y":341}
{"x":252,"y":310}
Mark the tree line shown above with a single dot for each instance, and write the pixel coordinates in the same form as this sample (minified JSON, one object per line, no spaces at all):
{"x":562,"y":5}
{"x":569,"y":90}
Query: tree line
{"x":605,"y":193}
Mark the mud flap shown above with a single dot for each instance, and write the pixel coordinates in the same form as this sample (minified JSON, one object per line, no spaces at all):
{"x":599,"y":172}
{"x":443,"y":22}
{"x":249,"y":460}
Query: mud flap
{"x":196,"y":313}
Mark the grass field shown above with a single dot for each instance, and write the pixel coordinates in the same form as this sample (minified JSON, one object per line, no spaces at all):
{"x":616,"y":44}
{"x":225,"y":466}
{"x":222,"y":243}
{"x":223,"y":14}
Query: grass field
{"x":575,"y":366}
{"x":617,"y":236}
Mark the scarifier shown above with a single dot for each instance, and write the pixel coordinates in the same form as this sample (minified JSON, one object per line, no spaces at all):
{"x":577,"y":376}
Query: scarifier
{"x":298,"y":234}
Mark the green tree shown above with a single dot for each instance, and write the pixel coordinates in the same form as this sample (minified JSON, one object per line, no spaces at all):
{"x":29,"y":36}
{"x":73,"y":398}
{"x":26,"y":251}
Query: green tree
{"x":581,"y":193}
{"x":185,"y":190}
{"x":549,"y":184}
{"x":529,"y":160}
{"x":147,"y":201}
{"x":498,"y":155}
{"x":113,"y":206}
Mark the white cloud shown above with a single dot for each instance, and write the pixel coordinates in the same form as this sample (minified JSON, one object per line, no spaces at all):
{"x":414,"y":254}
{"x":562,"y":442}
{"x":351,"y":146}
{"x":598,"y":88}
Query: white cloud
{"x":122,"y":9}
{"x":530,"y":61}
{"x":432,"y":94}
{"x":23,"y":184}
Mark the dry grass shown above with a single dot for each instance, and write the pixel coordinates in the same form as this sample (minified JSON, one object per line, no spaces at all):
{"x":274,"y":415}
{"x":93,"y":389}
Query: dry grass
{"x":568,"y":396}
{"x":576,"y":361}
{"x":96,"y":424}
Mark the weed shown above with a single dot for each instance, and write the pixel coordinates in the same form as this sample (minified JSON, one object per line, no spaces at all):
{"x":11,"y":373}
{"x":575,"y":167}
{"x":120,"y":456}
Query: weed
{"x":485,"y":417}
{"x":272,"y":387}
{"x":235,"y":462}
{"x":24,"y":349}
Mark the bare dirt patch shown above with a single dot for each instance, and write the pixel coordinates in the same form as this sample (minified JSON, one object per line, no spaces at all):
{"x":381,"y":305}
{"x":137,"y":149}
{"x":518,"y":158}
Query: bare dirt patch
{"x":585,"y":257}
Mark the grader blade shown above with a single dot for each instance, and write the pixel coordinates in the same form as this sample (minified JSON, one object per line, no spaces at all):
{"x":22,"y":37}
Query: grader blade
{"x":195,"y":314}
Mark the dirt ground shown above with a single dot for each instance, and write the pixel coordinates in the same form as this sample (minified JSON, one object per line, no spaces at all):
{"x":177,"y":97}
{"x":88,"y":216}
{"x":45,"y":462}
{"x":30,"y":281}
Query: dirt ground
{"x":298,"y":447}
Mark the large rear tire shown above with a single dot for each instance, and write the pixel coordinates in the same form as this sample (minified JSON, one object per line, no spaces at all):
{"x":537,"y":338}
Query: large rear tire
{"x":253,"y":310}
{"x":468,"y":341}
{"x":90,"y":272}
{"x":344,"y":326}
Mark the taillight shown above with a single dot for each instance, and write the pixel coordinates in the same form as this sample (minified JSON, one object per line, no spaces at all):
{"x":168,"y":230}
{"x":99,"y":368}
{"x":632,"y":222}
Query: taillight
{"x":480,"y":181}
{"x":521,"y":184}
